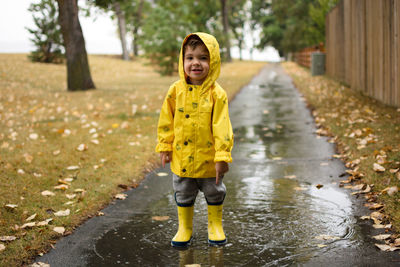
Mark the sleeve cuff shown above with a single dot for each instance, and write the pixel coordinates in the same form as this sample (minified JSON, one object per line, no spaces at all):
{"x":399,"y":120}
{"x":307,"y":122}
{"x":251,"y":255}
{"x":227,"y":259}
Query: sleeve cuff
{"x":163,"y":147}
{"x":222,"y":156}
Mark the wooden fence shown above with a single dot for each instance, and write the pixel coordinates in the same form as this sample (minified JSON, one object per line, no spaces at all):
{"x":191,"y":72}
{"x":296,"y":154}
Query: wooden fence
{"x":363,"y":47}
{"x":303,"y":57}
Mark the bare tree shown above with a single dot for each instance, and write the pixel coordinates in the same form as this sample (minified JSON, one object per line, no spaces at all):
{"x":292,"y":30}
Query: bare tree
{"x":78,"y":72}
{"x":122,"y":29}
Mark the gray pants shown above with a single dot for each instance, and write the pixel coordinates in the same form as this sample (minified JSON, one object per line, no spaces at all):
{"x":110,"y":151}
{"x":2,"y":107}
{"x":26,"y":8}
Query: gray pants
{"x":186,"y":190}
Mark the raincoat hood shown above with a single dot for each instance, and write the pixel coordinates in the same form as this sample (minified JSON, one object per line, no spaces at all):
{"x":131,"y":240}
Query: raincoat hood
{"x":215,"y":60}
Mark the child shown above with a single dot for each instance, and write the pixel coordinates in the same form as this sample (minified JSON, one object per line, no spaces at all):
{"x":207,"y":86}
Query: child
{"x":195,"y":135}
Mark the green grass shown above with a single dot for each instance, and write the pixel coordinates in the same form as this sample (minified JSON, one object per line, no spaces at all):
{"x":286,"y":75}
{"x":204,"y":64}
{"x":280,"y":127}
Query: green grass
{"x":34,"y":99}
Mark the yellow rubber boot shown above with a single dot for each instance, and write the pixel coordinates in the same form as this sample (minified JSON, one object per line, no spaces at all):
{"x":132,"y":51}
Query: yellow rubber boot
{"x":216,"y":235}
{"x":185,"y":229}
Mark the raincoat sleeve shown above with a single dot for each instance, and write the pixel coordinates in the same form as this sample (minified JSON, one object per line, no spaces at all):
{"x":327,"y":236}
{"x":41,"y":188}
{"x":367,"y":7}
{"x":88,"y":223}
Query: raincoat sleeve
{"x":165,"y":129}
{"x":222,"y":129}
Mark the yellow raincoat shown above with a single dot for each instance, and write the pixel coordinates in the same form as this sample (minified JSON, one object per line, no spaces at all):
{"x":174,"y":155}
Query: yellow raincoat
{"x":194,"y":121}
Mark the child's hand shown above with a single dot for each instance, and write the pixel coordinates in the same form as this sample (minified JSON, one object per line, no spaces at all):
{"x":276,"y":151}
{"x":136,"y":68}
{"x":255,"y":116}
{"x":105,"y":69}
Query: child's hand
{"x":165,"y":157}
{"x":221,"y":167}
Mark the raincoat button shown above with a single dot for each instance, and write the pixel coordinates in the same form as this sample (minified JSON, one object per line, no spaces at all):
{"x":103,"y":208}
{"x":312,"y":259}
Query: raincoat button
{"x":190,"y":88}
{"x":187,"y":116}
{"x":183,"y":170}
{"x":186,"y":143}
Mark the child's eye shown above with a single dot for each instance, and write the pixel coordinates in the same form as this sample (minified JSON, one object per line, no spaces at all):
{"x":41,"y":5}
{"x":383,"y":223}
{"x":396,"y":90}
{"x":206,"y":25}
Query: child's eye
{"x":189,"y":58}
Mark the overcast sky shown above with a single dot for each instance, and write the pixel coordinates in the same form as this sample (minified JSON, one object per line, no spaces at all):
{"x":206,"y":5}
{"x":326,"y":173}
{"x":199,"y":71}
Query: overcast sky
{"x":100,"y":32}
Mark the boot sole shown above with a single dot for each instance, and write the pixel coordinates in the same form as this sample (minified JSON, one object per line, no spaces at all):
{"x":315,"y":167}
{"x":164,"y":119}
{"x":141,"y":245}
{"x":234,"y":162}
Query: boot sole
{"x":181,"y":244}
{"x":217,"y":242}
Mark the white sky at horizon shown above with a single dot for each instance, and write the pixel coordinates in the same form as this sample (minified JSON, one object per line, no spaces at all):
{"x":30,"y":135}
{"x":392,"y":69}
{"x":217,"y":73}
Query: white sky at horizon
{"x":99,"y":31}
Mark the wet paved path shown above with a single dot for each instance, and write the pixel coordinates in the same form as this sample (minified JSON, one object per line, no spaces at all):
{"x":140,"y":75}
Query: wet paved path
{"x":273,"y":211}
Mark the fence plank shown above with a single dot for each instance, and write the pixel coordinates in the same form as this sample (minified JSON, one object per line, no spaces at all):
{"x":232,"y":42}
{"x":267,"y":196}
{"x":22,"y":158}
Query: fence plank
{"x":363,"y":47}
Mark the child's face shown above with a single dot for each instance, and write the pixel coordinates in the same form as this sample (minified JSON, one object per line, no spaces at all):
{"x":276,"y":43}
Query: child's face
{"x":196,"y":64}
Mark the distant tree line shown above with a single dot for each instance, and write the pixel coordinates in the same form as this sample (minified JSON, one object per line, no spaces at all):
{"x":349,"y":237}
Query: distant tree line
{"x":157,"y":28}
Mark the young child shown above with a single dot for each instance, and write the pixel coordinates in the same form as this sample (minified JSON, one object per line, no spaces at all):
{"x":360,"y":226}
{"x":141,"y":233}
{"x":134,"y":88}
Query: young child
{"x":195,"y":135}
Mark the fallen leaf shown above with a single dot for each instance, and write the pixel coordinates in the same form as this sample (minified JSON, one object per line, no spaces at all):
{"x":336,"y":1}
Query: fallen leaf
{"x":373,"y":206}
{"x":10,"y":206}
{"x":319,"y":186}
{"x":79,"y":190}
{"x":95,"y":141}
{"x":61,"y":187}
{"x":59,"y":229}
{"x":72,"y":168}
{"x":321,"y":245}
{"x":381,"y":237}
{"x":160,"y":218}
{"x":162,"y":174}
{"x":28,"y":158}
{"x":39,"y":264}
{"x":70,"y":196}
{"x":290,"y":176}
{"x":7,"y":238}
{"x":82,"y":147}
{"x":28,"y":225}
{"x":33,"y":136}
{"x":121,"y":196}
{"x":366,"y":217}
{"x":56,"y":152}
{"x":392,"y":190}
{"x":378,"y":168}
{"x":384,"y":247}
{"x":30,"y":218}
{"x":45,"y":222}
{"x":394,"y":170}
{"x":62,"y":213}
{"x":47,"y":193}
{"x":100,"y":213}
{"x":2,"y":247}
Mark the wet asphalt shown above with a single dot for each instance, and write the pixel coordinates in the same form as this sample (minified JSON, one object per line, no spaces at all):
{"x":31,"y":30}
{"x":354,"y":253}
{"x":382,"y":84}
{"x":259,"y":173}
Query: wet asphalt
{"x":274,"y":214}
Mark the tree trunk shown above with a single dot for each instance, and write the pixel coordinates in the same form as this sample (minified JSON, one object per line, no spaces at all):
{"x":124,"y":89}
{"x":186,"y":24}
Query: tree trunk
{"x":78,"y":72}
{"x":122,"y":30}
{"x":135,"y":44}
{"x":225,"y":24}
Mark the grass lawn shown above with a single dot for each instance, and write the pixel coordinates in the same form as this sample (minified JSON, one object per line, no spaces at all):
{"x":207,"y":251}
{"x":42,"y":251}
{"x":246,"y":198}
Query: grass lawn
{"x":368,"y":138}
{"x":65,"y":155}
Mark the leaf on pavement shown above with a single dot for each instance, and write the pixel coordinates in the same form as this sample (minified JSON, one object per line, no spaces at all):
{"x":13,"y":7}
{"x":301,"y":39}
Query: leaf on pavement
{"x":160,"y":218}
{"x":381,"y":237}
{"x":384,"y":247}
{"x":121,"y":196}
